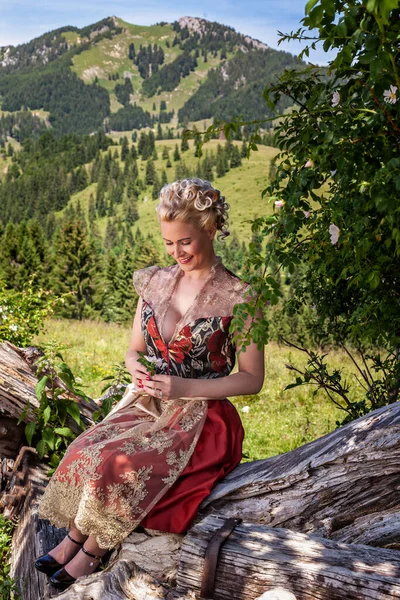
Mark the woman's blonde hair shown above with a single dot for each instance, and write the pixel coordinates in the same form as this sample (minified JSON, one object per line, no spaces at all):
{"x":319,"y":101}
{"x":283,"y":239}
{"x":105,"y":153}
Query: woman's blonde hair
{"x":194,"y":201}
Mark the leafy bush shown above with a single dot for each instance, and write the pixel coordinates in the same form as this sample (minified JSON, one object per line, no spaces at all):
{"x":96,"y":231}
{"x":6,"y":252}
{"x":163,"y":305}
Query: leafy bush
{"x":22,"y":314}
{"x":49,"y":432}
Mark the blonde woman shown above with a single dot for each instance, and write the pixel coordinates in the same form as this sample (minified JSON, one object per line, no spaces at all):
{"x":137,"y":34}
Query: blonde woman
{"x":154,"y":459}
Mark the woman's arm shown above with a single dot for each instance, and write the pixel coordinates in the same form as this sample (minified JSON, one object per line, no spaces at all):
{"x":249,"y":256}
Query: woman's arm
{"x":136,"y":344}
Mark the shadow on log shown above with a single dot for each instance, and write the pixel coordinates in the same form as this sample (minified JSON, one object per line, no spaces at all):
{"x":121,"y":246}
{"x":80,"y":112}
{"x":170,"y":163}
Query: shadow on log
{"x":256,"y":558}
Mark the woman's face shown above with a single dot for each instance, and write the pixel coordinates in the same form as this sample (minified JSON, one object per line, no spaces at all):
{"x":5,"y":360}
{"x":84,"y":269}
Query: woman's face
{"x":192,"y":248}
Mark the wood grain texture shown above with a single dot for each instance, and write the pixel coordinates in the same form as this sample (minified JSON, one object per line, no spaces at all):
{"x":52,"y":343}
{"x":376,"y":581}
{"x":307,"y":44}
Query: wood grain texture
{"x":32,"y":538}
{"x":257,"y":558}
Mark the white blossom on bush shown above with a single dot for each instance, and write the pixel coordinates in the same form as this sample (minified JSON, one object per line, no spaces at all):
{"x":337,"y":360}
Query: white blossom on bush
{"x":389,"y":95}
{"x":306,"y":214}
{"x":335,"y":99}
{"x":279,"y":203}
{"x":334,"y":233}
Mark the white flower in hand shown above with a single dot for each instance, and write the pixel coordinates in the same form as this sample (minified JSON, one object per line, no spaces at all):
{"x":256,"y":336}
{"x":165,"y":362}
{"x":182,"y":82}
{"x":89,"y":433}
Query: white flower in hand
{"x":157,"y":361}
{"x":389,"y":95}
{"x":246,"y":409}
{"x":334,"y":233}
{"x":335,"y":99}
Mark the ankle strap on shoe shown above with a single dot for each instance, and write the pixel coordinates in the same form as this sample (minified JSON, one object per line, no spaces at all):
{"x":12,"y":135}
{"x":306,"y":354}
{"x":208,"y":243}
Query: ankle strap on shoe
{"x":75,"y":542}
{"x":90,"y":554}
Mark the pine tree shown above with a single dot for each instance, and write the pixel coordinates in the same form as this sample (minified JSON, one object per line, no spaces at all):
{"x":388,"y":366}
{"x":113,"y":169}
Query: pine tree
{"x":74,"y":268}
{"x":150,"y":173}
{"x":8,"y":255}
{"x":220,"y":165}
{"x":126,"y":296}
{"x":184,"y":145}
{"x":110,"y":297}
{"x":164,"y":178}
{"x":165,"y":153}
{"x":207,"y":169}
{"x":111,"y":235}
{"x":236,"y":161}
{"x":124,"y":148}
{"x":177,"y":156}
{"x":156,"y":188}
{"x":145,"y":253}
{"x":130,"y":212}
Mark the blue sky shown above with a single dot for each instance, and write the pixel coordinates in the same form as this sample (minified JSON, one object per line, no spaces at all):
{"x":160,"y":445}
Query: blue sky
{"x":22,"y":20}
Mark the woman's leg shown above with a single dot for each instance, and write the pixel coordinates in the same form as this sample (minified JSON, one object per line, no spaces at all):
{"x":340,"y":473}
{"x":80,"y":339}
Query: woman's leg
{"x":66,"y":549}
{"x":82,"y":564}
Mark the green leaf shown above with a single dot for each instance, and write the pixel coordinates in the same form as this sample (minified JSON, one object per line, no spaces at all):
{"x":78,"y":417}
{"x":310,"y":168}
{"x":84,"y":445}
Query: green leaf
{"x":46,"y":414}
{"x":73,"y":410}
{"x":40,"y":386}
{"x":310,"y":5}
{"x":30,"y":429}
{"x":49,"y":437}
{"x":65,"y":431}
{"x":41,"y":448}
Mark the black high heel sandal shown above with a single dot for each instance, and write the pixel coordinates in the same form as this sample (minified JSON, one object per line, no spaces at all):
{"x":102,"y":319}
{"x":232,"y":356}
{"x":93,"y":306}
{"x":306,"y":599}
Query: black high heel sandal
{"x":47,"y":564}
{"x":62,"y":579}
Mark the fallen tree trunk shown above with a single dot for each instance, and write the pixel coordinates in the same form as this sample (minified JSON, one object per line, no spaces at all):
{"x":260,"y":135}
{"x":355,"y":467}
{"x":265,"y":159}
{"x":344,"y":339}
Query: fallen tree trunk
{"x":256,"y":558}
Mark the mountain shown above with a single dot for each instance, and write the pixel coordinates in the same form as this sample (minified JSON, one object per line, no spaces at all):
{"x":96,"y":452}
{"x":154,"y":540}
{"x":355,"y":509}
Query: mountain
{"x":113,"y":75}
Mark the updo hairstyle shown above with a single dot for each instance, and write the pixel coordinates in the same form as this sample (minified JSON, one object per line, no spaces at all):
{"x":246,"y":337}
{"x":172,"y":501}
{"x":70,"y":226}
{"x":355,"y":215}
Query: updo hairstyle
{"x":194,"y":201}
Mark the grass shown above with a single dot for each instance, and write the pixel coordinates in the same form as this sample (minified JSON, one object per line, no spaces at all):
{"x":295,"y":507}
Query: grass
{"x":276,"y":420}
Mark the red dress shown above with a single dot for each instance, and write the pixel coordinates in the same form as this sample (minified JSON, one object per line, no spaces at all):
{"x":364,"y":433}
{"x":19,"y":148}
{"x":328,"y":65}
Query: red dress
{"x":133,"y":468}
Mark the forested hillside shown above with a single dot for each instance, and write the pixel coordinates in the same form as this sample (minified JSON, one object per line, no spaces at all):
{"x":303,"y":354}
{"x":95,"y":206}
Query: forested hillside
{"x":116,"y":76}
{"x":77,"y":198}
{"x":78,"y":212}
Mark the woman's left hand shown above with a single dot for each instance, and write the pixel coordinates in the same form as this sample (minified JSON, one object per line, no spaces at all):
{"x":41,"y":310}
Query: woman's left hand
{"x":170,"y":386}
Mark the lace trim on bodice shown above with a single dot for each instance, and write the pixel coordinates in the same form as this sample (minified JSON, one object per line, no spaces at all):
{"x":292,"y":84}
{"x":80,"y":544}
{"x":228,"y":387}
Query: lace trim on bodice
{"x":220,"y":293}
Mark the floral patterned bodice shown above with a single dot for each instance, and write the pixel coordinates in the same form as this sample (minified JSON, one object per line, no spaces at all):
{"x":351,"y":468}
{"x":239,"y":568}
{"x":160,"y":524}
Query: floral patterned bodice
{"x":202,"y":345}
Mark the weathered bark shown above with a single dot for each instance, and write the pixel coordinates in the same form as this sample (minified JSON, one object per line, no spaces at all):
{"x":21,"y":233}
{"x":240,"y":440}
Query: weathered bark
{"x":33,"y":536}
{"x":256,"y":558}
{"x":18,"y":378}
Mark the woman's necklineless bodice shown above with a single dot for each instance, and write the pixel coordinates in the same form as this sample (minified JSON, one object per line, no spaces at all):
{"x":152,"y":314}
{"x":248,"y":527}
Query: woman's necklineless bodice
{"x":181,"y":321}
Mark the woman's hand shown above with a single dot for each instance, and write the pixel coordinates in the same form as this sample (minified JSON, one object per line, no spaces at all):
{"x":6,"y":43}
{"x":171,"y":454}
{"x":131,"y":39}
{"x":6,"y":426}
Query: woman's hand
{"x":170,"y":386}
{"x":139,"y":374}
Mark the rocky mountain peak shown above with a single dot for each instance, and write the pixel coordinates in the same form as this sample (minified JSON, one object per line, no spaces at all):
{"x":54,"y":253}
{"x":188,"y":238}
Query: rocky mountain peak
{"x":197,"y":25}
